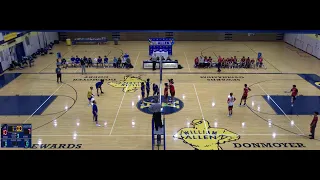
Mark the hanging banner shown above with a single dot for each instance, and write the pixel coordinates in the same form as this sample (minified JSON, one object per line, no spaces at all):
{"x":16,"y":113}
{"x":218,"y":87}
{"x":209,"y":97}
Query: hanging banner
{"x":10,"y":36}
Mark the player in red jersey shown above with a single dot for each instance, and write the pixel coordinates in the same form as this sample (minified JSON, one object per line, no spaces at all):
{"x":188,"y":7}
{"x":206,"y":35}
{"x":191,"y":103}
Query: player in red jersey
{"x":220,"y":60}
{"x":230,"y":102}
{"x":172,"y":90}
{"x":313,"y":125}
{"x":165,"y":94}
{"x":245,"y":94}
{"x":294,"y":92}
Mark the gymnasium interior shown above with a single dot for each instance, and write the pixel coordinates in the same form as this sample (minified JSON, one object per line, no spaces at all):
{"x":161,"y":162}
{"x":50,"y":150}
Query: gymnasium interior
{"x":40,"y":112}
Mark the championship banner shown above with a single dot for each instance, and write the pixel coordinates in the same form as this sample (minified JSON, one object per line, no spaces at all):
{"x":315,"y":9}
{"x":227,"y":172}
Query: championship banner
{"x":10,"y":36}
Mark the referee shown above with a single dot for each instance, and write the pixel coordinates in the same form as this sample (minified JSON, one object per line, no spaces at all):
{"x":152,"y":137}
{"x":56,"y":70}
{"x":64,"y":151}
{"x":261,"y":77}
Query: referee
{"x":156,"y":116}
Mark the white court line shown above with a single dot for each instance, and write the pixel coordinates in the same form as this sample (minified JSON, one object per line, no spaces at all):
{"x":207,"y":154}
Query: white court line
{"x":115,"y":119}
{"x":194,"y":86}
{"x":135,"y":63}
{"x":137,"y":135}
{"x":43,"y":103}
{"x":70,"y":50}
{"x":275,"y":102}
{"x":187,"y":61}
{"x":125,"y":91}
{"x":279,"y":108}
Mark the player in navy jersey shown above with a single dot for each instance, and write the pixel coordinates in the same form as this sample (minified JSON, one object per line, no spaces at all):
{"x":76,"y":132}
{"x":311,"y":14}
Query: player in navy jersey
{"x":148,"y":87}
{"x":99,"y":86}
{"x":73,"y":61}
{"x":155,"y":89}
{"x":99,"y":61}
{"x":77,"y":60}
{"x":95,"y":113}
{"x":143,"y":88}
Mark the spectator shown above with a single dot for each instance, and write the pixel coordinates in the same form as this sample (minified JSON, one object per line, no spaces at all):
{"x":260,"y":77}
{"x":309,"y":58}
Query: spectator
{"x":115,"y":61}
{"x":128,"y":63}
{"x":90,"y":63}
{"x":123,"y":62}
{"x":196,"y":62}
{"x":119,"y":62}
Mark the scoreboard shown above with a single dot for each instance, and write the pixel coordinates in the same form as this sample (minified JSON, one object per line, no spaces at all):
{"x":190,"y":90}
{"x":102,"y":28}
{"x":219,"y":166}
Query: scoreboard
{"x":16,"y":135}
{"x":161,"y":41}
{"x":160,"y":44}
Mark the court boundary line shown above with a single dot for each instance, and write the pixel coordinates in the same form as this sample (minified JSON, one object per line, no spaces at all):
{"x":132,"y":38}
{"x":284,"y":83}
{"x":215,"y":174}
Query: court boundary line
{"x":203,"y":120}
{"x":135,"y":63}
{"x":72,"y":47}
{"x":186,"y":59}
{"x":115,"y":119}
{"x":125,"y":91}
{"x":43,"y":104}
{"x":280,"y":108}
{"x":263,"y":58}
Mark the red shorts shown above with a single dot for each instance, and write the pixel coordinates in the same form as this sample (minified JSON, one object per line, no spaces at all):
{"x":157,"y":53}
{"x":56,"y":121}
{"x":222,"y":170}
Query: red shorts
{"x":173,"y":93}
{"x":230,"y":107}
{"x":244,"y":97}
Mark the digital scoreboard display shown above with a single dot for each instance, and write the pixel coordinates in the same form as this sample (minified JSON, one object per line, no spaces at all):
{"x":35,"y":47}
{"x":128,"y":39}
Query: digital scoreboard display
{"x":161,"y":44}
{"x":16,"y":135}
{"x":161,"y":41}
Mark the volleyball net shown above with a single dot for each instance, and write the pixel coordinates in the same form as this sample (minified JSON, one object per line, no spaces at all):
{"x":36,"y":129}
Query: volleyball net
{"x":159,"y":135}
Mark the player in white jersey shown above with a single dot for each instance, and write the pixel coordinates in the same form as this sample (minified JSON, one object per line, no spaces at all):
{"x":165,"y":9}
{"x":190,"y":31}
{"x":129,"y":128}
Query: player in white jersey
{"x":230,"y":102}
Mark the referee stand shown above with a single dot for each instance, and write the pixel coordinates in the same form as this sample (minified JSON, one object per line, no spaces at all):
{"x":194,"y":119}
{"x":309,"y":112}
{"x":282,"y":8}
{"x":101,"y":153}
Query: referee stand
{"x":159,"y":136}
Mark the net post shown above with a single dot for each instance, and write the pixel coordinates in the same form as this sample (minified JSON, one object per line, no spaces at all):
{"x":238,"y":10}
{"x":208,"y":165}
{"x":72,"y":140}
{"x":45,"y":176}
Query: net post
{"x":160,"y":85}
{"x":164,"y":133}
{"x":152,"y":124}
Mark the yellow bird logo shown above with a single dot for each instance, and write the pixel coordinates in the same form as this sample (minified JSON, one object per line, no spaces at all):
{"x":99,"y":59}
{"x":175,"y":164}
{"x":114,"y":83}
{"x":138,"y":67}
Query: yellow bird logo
{"x":203,"y":137}
{"x":317,"y":83}
{"x":129,"y":84}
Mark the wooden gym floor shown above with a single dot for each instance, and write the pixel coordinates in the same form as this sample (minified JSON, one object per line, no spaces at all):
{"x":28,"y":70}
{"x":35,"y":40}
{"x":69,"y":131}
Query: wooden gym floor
{"x":268,"y":122}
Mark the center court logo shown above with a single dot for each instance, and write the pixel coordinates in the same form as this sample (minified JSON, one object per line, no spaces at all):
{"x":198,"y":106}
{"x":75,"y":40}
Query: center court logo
{"x":204,"y":137}
{"x":167,"y":108}
{"x":129,"y":84}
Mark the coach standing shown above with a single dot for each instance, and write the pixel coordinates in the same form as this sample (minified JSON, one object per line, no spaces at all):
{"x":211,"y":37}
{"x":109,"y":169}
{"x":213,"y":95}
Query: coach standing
{"x":313,"y":125}
{"x":154,"y":62}
{"x":58,"y":72}
{"x":83,"y":66}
